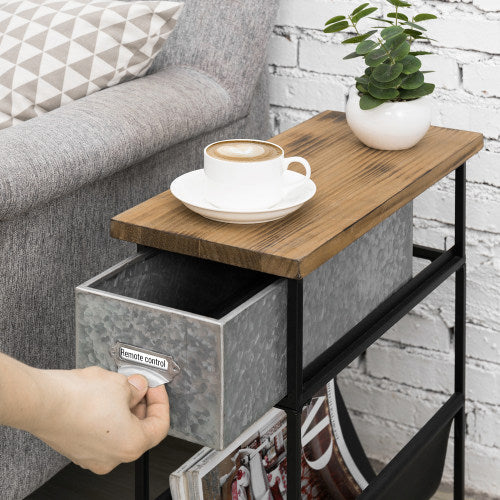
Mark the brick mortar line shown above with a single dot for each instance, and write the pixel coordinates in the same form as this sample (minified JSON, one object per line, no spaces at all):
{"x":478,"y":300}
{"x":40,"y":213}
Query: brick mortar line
{"x":325,"y":37}
{"x":444,"y":95}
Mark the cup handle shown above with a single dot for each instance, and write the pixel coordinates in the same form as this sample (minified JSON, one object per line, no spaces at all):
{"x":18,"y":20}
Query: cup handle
{"x":298,"y":159}
{"x":304,"y":163}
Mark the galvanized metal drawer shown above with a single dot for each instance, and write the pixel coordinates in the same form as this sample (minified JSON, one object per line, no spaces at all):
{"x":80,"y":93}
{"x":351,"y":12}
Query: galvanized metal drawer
{"x":226,"y":327}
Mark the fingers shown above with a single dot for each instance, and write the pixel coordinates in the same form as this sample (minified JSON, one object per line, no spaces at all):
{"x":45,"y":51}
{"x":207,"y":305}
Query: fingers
{"x":140,"y":409}
{"x":138,"y":386}
{"x":157,"y":421}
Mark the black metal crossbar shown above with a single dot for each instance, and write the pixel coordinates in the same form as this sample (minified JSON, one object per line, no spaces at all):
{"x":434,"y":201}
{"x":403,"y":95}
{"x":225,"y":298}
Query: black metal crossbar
{"x":427,"y":253}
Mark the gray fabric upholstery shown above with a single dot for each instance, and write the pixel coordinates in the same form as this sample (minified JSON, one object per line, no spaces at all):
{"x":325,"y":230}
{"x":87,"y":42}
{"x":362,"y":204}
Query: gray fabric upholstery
{"x":64,"y":174}
{"x":234,"y":35}
{"x":108,"y":131}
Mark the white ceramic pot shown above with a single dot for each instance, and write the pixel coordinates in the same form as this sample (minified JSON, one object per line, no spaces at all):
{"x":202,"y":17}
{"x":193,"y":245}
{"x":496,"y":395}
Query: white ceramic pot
{"x":390,"y":126}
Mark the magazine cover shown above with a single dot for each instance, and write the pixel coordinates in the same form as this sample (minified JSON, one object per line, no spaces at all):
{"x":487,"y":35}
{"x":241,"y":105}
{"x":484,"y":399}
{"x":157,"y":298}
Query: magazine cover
{"x":253,"y":467}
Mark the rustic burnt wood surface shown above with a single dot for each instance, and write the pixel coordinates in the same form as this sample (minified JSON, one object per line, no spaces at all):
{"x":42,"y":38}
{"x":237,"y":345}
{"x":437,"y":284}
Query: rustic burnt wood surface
{"x":358,"y":187}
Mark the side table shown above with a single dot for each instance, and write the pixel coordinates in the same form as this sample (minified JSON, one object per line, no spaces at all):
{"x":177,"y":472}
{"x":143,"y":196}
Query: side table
{"x":358,"y":187}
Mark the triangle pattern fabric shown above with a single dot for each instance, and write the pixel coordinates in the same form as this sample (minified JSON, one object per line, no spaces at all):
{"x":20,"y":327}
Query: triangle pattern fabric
{"x":53,"y":52}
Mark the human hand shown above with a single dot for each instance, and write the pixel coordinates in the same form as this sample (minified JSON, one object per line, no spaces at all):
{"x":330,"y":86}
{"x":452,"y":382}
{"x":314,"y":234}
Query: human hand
{"x":97,"y":418}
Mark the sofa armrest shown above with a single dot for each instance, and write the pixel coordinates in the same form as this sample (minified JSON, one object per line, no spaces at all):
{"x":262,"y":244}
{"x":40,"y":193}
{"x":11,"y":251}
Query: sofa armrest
{"x":103,"y":133}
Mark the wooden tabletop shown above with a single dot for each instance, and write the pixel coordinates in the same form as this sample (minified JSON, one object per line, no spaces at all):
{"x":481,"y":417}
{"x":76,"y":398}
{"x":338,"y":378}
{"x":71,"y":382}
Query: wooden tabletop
{"x":357,"y":187}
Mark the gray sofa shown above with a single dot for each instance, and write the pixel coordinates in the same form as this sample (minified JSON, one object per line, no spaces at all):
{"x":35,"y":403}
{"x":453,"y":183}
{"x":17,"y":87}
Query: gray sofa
{"x":63,"y":175}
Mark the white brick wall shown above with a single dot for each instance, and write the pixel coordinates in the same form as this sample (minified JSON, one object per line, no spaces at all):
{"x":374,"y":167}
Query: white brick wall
{"x":404,"y":378}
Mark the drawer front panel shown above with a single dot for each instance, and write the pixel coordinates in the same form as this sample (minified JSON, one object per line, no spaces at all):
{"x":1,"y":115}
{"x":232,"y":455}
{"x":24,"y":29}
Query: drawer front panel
{"x":195,"y":394}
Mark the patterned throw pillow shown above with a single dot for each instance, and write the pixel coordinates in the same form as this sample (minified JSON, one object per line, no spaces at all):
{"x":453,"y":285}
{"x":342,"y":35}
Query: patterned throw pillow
{"x":56,"y":51}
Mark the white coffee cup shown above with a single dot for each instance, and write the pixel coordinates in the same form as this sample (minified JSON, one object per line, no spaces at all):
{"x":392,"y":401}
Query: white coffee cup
{"x":248,"y":183}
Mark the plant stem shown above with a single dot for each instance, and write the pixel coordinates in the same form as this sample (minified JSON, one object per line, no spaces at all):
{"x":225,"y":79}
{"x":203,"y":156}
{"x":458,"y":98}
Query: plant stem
{"x":396,"y":15}
{"x":386,"y":51}
{"x":353,"y":25}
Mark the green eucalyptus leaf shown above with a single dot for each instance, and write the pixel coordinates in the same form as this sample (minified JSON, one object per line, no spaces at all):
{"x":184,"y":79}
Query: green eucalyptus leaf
{"x":401,"y":51}
{"x":376,"y":57}
{"x":395,"y":41}
{"x":361,"y":89}
{"x":410,"y":64}
{"x":414,"y":25}
{"x":423,"y":90}
{"x":398,"y":15}
{"x":362,"y":13}
{"x":413,"y":81}
{"x":393,"y":84}
{"x":359,"y":38}
{"x":333,"y":28}
{"x":399,"y":3}
{"x":352,"y":55}
{"x":424,"y":17}
{"x":335,"y":19}
{"x":364,"y":80}
{"x":359,"y":8}
{"x":420,"y":53}
{"x":382,"y":20}
{"x":368,"y":71}
{"x":391,"y":31}
{"x":379,"y":93}
{"x":368,"y":102}
{"x":387,"y":72}
{"x":414,"y":33}
{"x":428,"y":71}
{"x":365,"y":47}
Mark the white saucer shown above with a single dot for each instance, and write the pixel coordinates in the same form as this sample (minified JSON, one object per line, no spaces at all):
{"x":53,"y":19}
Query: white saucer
{"x":190,"y":190}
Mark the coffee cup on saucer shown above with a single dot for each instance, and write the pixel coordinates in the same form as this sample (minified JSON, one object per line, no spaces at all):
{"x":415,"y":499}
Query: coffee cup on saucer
{"x":247,"y":174}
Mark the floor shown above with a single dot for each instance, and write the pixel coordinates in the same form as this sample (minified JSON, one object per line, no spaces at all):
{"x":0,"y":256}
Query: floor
{"x":77,"y":484}
{"x":74,"y":483}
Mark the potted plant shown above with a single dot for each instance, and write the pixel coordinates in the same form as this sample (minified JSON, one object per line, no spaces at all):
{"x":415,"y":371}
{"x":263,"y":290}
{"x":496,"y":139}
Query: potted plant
{"x":388,"y":107}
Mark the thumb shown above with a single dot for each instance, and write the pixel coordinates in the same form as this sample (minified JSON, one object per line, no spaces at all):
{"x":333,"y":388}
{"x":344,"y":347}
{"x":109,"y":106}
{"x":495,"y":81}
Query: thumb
{"x":138,"y":385}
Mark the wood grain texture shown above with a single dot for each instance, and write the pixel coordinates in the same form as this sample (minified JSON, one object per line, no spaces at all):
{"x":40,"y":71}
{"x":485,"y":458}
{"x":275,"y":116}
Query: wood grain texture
{"x":358,"y":187}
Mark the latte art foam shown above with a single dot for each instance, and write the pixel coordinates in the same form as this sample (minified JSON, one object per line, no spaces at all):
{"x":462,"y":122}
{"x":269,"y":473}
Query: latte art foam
{"x":244,"y":151}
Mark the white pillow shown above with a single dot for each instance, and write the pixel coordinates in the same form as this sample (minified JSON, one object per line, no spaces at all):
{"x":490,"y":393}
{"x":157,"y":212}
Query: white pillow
{"x":53,"y":52}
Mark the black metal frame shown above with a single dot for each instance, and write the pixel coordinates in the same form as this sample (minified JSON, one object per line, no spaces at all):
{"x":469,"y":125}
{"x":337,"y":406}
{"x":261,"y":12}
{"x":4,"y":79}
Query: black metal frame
{"x":303,"y":383}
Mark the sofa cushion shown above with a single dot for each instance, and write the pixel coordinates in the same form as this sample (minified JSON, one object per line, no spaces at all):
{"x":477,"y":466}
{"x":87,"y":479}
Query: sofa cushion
{"x":53,"y":52}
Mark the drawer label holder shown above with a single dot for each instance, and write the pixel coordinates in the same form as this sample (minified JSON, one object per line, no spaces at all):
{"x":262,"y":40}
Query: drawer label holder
{"x":158,"y":368}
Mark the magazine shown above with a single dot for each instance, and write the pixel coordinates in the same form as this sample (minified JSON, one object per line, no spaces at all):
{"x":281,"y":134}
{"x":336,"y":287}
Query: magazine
{"x":178,"y":481}
{"x":254,"y":466}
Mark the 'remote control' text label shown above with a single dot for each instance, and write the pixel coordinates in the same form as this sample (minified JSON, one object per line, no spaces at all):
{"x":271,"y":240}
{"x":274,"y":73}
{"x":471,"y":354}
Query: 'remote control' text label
{"x":142,"y":358}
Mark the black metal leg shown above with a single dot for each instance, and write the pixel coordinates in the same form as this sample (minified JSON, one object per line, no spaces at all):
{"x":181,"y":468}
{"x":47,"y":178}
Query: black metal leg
{"x":294,"y":454}
{"x":142,"y":477}
{"x":293,"y":403}
{"x":460,"y":210}
{"x":460,"y":287}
